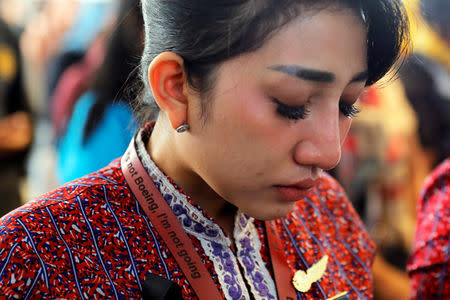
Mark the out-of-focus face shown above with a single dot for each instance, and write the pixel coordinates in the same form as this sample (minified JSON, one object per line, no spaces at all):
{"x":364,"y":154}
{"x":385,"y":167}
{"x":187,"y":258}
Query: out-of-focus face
{"x":279,"y":115}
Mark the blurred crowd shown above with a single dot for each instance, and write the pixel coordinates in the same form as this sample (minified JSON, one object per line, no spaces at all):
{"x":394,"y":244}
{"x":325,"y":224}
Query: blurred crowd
{"x":67,"y":85}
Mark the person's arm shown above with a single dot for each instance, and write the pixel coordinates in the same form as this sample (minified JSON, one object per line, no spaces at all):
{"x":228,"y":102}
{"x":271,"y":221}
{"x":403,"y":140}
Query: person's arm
{"x":389,"y":283}
{"x":23,"y":274}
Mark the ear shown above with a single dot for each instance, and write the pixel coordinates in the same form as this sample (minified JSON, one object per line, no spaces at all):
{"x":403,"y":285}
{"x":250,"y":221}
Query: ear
{"x":167,"y":80}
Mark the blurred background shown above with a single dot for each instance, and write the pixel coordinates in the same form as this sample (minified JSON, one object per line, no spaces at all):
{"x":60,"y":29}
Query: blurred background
{"x":67,"y":80}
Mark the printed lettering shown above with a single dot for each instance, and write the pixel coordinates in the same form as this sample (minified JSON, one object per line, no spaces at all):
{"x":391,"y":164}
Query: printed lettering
{"x":165,"y":224}
{"x":153,"y":207}
{"x":175,"y":239}
{"x":164,"y":221}
{"x":192,"y":267}
{"x":131,"y":169}
{"x":138,"y":181}
{"x":187,"y":259}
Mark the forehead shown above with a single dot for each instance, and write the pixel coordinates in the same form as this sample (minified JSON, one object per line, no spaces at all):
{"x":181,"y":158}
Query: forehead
{"x":330,"y":39}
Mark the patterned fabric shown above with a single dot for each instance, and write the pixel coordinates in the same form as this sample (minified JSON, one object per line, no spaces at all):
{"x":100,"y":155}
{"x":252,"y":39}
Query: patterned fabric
{"x":214,"y":241}
{"x":91,"y":239}
{"x":428,"y":264}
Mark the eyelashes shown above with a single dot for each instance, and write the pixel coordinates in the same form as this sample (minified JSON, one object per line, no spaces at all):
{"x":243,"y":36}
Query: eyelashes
{"x":301,"y":112}
{"x":291,"y":112}
{"x":348,"y":110}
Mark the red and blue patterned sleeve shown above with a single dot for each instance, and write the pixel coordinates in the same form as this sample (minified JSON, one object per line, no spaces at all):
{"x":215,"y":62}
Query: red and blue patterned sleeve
{"x":22,"y":270}
{"x":428,"y":265}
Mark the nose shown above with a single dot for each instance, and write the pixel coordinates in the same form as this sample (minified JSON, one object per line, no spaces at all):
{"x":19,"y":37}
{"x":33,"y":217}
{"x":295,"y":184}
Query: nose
{"x":321,"y":145}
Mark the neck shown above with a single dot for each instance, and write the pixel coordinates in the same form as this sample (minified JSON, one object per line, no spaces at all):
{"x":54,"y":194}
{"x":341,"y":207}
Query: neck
{"x":163,"y":149}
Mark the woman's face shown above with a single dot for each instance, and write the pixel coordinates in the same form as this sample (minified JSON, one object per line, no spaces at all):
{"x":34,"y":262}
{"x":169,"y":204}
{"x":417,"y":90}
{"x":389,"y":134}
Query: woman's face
{"x":279,"y":115}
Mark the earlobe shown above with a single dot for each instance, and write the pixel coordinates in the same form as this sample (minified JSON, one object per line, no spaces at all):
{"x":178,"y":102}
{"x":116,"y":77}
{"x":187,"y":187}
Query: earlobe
{"x":167,"y":80}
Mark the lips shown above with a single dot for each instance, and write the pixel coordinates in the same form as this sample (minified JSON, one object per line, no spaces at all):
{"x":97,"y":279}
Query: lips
{"x":296,"y":191}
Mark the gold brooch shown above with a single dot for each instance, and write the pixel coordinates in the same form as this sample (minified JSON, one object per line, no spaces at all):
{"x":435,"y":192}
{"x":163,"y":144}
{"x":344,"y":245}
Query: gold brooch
{"x":302,"y":280}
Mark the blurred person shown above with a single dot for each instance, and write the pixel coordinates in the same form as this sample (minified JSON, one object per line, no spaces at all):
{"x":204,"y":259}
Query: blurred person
{"x":426,"y":77}
{"x":91,"y":19}
{"x":428,"y":264}
{"x":401,"y":134}
{"x":104,"y":110}
{"x":14,"y":13}
{"x":252,"y":101}
{"x":374,"y":171}
{"x":57,"y":37}
{"x":63,"y":27}
{"x":54,"y":39}
{"x":43,"y":34}
{"x":74,"y":82}
{"x":15,"y":122}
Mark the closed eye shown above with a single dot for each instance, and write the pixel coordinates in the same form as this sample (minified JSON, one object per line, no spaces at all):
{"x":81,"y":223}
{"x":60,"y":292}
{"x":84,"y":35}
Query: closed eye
{"x":291,"y":112}
{"x":348,"y":110}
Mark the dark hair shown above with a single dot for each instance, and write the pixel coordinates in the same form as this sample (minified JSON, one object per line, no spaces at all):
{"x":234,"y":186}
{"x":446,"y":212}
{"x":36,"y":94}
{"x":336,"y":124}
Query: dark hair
{"x":120,"y":65}
{"x":421,"y":76}
{"x":206,"y":33}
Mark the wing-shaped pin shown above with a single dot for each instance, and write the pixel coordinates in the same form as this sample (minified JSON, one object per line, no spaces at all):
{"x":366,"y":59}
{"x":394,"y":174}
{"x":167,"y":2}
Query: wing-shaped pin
{"x":302,"y":280}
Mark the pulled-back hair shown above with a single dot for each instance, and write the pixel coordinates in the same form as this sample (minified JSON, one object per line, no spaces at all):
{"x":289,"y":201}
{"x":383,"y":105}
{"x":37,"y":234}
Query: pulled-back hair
{"x":206,"y":33}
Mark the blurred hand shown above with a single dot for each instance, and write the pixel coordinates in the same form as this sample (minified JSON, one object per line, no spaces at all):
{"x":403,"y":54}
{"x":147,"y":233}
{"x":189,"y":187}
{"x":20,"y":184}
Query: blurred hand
{"x":16,"y":133}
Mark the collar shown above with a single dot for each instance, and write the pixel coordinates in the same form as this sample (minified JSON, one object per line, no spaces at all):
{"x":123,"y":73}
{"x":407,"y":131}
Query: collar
{"x":214,"y":241}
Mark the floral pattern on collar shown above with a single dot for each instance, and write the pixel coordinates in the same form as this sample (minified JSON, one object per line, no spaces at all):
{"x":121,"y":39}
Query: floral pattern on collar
{"x":214,"y":241}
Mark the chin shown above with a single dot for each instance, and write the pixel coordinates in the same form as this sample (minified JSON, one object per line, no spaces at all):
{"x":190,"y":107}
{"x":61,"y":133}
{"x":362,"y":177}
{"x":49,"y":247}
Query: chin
{"x":270,"y":212}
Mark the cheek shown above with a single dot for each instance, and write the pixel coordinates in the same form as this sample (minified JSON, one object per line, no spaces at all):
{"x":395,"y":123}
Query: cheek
{"x":254,"y":116}
{"x":249,"y":133}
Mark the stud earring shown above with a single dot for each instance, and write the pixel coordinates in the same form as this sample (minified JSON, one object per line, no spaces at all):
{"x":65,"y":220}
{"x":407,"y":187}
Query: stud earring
{"x":183,"y":128}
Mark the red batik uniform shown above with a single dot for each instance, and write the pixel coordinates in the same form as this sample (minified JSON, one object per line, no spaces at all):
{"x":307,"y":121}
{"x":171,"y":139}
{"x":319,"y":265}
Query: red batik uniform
{"x":429,"y":266}
{"x":91,"y":239}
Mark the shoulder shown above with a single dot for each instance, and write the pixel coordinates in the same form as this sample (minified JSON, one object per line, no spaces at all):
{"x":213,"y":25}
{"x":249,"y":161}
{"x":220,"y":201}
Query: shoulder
{"x":66,"y":202}
{"x":330,"y":194}
{"x":333,"y":201}
{"x":328,"y":212}
{"x":64,"y":197}
{"x":44,"y":238}
{"x":325,"y":223}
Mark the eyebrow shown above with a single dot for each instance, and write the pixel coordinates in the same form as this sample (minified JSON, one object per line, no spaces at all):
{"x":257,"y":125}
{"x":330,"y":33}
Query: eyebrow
{"x":315,"y":75}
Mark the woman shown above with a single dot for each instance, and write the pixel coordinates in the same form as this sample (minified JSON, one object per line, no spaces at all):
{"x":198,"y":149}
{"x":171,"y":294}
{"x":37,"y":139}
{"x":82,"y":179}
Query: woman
{"x":86,"y":145}
{"x":256,"y":98}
